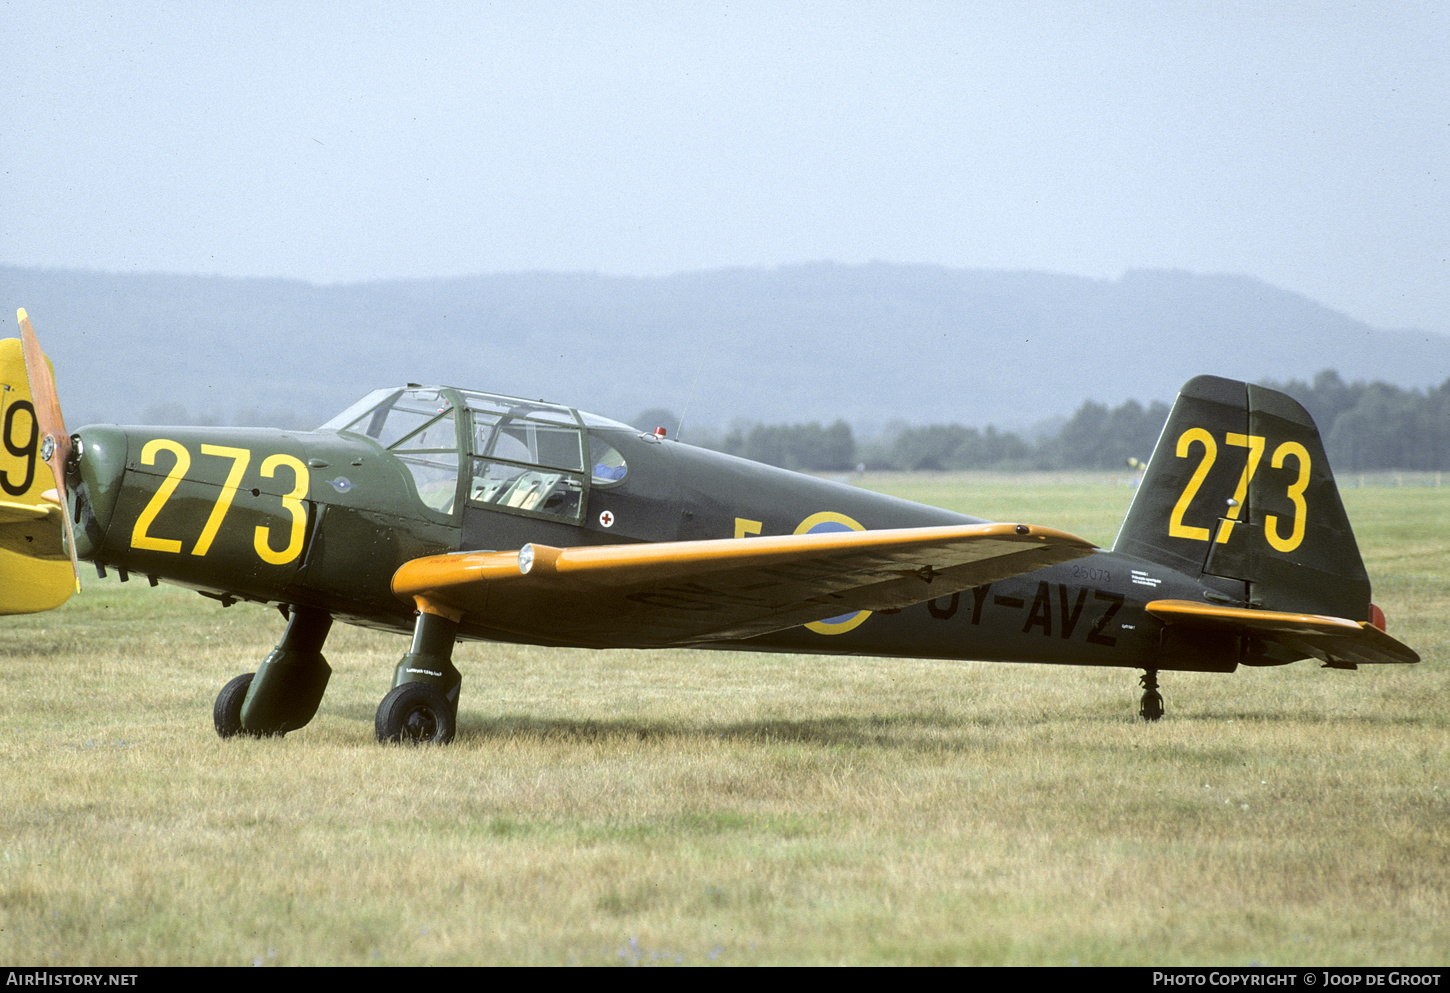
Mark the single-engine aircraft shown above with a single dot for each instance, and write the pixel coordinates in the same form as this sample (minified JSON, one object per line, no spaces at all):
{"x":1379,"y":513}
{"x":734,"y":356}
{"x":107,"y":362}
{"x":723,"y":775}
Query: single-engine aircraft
{"x":447,"y":514}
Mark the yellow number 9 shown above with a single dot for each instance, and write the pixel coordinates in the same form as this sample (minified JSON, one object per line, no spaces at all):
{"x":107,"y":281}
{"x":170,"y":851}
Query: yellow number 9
{"x":293,"y":502}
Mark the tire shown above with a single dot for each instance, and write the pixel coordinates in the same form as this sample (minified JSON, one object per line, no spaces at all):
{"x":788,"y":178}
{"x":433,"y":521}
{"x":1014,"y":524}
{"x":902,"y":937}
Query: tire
{"x":1152,"y":706}
{"x":416,"y":714}
{"x":226,"y":714}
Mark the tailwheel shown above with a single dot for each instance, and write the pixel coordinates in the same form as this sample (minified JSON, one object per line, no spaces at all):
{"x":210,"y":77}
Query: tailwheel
{"x":416,"y":714}
{"x":1151,"y":708}
{"x":226,"y":714}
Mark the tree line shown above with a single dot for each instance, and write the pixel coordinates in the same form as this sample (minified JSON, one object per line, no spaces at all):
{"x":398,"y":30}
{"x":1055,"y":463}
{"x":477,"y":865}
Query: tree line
{"x":1365,"y":427}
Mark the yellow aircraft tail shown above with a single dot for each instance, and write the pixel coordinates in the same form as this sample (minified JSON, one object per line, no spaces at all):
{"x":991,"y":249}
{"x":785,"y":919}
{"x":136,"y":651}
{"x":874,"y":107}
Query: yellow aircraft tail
{"x":35,"y":570}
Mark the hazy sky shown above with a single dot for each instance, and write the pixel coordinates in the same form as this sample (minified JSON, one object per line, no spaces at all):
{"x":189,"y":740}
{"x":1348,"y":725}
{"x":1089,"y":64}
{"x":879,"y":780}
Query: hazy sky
{"x":1307,"y":144}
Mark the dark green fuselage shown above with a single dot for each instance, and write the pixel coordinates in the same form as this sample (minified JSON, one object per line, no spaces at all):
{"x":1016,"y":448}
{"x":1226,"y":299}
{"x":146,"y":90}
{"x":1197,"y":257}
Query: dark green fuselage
{"x":323,"y":520}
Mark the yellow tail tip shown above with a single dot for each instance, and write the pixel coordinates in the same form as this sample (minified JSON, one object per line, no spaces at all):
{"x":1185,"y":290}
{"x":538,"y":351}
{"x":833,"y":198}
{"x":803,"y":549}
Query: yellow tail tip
{"x":21,"y":315}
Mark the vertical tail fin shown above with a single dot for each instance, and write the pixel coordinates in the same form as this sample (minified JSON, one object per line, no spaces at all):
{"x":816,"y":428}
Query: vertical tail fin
{"x":1239,"y":493}
{"x":35,"y":574}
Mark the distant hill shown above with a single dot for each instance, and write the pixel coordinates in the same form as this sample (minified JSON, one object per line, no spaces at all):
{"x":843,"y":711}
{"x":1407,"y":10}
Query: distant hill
{"x":870,"y":344}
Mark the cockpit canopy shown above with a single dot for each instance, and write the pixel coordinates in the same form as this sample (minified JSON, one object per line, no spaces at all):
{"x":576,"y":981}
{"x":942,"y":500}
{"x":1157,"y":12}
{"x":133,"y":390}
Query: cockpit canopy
{"x":523,"y":456}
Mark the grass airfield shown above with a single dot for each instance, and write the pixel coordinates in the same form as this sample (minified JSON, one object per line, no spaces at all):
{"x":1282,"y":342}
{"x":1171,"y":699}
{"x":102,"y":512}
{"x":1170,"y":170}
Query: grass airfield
{"x":675,"y":807}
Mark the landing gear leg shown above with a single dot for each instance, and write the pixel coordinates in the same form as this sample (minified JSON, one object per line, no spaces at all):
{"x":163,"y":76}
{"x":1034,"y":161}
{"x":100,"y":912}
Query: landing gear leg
{"x":1152,"y":706}
{"x":288,"y":685}
{"x":422,"y":707}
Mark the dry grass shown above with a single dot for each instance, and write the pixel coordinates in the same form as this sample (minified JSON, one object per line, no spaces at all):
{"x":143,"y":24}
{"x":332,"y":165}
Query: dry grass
{"x":733,"y":808}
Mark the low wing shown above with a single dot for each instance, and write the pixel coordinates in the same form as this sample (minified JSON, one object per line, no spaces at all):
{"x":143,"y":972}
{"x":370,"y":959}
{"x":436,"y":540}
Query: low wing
{"x":1335,"y":641}
{"x":685,"y":592}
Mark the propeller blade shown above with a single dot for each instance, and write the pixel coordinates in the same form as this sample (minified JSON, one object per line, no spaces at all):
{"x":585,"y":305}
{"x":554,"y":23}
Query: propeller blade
{"x":55,"y":443}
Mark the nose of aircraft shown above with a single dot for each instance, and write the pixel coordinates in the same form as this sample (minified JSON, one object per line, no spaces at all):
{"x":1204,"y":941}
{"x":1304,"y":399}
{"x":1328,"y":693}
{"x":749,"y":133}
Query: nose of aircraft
{"x":96,"y":470}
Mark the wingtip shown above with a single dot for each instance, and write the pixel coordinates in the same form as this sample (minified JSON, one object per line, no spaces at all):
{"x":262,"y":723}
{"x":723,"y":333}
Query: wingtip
{"x":21,"y":316}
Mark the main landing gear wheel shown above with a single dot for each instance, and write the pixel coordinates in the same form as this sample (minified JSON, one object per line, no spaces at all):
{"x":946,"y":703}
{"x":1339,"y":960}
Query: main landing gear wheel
{"x":416,"y":714}
{"x":1152,"y":706}
{"x":226,"y":714}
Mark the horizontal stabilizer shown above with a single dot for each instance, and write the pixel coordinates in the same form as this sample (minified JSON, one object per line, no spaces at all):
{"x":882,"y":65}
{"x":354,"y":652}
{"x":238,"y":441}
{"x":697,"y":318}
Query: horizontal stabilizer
{"x":1335,"y":641}
{"x":33,"y":529}
{"x":684,"y":592}
{"x":19,"y":513}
